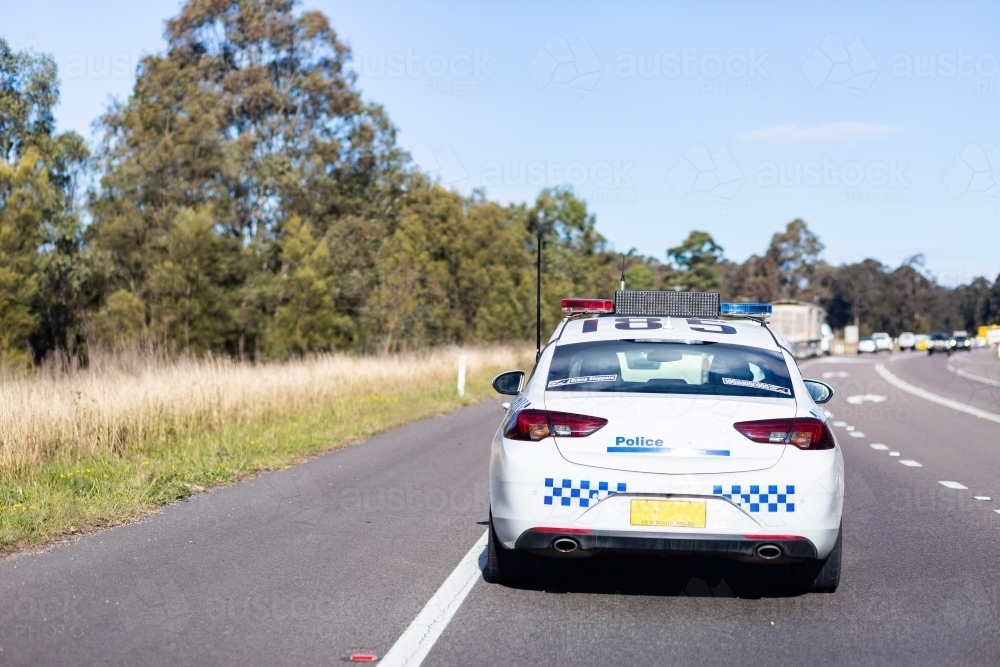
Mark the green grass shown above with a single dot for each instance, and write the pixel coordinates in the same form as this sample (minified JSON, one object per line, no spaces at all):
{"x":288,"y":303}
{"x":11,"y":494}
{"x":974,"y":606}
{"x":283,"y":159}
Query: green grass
{"x":56,"y":499}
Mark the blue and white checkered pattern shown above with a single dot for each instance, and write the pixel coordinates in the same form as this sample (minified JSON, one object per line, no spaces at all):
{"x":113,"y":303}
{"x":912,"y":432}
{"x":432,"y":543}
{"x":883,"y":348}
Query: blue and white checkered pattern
{"x":568,"y":493}
{"x":750,"y":497}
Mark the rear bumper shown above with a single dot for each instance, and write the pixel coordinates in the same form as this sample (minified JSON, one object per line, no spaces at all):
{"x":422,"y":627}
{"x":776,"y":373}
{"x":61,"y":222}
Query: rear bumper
{"x":664,"y":544}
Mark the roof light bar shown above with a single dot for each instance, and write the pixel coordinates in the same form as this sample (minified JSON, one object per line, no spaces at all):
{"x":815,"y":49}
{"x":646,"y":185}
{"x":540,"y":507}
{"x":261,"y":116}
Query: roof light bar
{"x":577,"y":306}
{"x":674,"y":304}
{"x":745,"y":309}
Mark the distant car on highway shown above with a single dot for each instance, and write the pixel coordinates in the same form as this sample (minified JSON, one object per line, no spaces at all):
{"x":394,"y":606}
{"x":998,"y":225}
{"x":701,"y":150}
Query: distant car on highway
{"x":961,"y":343}
{"x":617,"y":443}
{"x":883,"y":341}
{"x":907,"y":341}
{"x":939,"y":342}
{"x":866,"y":344}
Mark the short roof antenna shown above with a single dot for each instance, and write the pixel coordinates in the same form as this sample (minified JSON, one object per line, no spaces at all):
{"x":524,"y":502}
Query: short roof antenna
{"x":623,"y":273}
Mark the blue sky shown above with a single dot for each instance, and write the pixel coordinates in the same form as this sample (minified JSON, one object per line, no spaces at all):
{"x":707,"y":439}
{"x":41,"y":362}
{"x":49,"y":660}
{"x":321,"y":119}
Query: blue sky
{"x":877,"y":125}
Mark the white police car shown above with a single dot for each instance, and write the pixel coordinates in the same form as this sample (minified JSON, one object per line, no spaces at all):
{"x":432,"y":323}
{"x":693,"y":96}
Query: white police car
{"x":651,"y":425}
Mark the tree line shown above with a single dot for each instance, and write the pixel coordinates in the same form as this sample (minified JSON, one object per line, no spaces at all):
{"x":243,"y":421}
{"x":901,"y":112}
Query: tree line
{"x":245,"y":200}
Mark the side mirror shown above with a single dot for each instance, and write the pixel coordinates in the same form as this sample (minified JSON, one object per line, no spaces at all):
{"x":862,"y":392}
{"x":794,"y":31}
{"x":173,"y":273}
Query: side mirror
{"x":821,"y":392}
{"x":509,"y":383}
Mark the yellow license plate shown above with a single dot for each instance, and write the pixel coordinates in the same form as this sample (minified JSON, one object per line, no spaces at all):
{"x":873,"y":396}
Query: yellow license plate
{"x":670,"y":513}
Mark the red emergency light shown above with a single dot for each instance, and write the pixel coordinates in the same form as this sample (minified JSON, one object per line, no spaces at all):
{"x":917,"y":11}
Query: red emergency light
{"x":576,"y":306}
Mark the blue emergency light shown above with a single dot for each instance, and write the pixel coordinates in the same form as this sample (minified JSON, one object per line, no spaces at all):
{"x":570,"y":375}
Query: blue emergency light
{"x":745,"y":309}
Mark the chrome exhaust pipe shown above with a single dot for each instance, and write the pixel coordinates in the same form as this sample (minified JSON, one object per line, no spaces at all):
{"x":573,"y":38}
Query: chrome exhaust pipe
{"x":565,"y":545}
{"x":768,"y":551}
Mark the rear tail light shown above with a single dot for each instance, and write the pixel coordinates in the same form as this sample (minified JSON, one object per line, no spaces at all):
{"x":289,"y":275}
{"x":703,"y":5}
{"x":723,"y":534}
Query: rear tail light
{"x":538,"y":424}
{"x":804,"y":433}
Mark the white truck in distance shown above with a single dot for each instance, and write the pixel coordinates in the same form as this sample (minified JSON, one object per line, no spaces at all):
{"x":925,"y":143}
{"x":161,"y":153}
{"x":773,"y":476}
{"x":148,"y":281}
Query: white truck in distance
{"x":804,"y":326}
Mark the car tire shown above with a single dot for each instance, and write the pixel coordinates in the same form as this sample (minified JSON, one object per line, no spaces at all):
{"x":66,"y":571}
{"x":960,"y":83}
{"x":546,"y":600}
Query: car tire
{"x":820,"y":576}
{"x":510,"y":567}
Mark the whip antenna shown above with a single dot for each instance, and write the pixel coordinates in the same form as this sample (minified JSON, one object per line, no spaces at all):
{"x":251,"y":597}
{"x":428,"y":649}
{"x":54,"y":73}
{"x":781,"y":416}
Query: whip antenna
{"x":538,"y":296}
{"x":623,"y":273}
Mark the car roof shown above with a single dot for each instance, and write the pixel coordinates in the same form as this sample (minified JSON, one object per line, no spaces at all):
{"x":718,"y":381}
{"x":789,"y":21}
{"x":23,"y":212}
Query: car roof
{"x":618,"y":327}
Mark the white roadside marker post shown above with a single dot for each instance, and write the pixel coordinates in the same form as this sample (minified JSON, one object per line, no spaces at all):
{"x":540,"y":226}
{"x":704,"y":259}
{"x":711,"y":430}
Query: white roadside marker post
{"x":461,"y":375}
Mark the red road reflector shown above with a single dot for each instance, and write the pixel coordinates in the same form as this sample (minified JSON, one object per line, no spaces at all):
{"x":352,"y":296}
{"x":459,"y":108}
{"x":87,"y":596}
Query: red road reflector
{"x":773,"y":537}
{"x":363,"y":657}
{"x":567,"y":531}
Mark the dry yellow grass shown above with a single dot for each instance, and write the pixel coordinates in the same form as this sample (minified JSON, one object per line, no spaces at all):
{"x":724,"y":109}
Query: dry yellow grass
{"x":81,"y":450}
{"x":117,"y":405}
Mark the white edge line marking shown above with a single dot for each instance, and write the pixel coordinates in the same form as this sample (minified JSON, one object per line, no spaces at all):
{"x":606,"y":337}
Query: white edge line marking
{"x":413,"y":645}
{"x":977,"y":378}
{"x":953,"y":485}
{"x":934,"y":398}
{"x":910,"y":463}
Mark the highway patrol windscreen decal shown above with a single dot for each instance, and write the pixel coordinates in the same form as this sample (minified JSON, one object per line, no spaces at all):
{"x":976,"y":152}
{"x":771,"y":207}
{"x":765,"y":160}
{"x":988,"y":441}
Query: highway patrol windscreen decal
{"x":757,"y":385}
{"x":581,"y":379}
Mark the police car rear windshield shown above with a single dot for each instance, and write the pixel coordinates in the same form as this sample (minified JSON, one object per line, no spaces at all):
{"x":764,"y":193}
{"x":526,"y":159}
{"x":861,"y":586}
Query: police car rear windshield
{"x":701,"y":368}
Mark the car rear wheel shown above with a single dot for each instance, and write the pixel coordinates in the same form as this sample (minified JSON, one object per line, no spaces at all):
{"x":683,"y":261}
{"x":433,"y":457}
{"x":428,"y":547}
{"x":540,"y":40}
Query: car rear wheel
{"x":508,"y":566}
{"x":820,"y":576}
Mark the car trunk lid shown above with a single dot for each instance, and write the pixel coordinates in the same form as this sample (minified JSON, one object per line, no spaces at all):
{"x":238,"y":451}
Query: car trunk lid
{"x":670,"y":434}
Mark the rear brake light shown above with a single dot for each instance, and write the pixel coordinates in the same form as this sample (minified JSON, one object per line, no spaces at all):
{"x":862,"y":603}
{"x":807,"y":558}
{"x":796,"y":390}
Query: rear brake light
{"x":538,"y":424}
{"x":804,"y":433}
{"x":574,"y":306}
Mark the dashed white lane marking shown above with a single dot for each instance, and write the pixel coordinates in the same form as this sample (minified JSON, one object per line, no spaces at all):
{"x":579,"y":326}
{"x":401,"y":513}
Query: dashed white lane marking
{"x":940,"y":400}
{"x":840,"y":424}
{"x":879,"y":446}
{"x":850,"y":428}
{"x":893,"y":453}
{"x":910,"y":463}
{"x":857,"y":434}
{"x":836,"y":374}
{"x":861,"y":398}
{"x":414,"y":644}
{"x":982,"y":497}
{"x":953,"y":485}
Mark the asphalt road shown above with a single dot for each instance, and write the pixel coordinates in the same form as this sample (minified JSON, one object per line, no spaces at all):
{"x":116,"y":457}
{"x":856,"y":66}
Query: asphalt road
{"x":340,"y":554}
